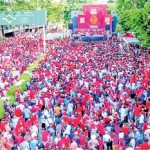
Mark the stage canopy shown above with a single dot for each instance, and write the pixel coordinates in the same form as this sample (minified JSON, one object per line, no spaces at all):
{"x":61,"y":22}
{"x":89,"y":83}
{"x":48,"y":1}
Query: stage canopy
{"x":129,"y":39}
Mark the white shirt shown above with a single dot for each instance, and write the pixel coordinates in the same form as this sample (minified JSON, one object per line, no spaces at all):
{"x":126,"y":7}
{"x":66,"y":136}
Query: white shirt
{"x":120,"y":86}
{"x":20,"y":106}
{"x":121,"y":135}
{"x":67,"y":131}
{"x":56,"y":140}
{"x":141,"y":119}
{"x":122,"y":113}
{"x":132,"y":142}
{"x":70,"y":107}
{"x":106,"y":138}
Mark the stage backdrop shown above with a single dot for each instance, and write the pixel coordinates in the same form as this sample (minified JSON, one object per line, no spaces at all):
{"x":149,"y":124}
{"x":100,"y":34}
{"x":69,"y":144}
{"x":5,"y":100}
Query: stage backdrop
{"x":94,"y":17}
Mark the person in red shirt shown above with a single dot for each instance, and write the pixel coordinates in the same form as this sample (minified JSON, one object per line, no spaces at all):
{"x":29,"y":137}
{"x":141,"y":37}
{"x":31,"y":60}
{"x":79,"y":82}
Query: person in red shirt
{"x":66,"y":140}
{"x":100,"y":141}
{"x":136,"y":113}
{"x":125,"y":130}
{"x":83,"y":139}
{"x":20,"y":127}
{"x":60,"y":144}
{"x":45,"y":135}
{"x":101,"y":128}
{"x":145,"y":146}
{"x":19,"y":139}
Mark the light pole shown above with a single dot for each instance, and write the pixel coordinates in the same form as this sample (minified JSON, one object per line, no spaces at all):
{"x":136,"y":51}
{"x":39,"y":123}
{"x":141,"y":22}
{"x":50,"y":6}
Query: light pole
{"x":37,"y":8}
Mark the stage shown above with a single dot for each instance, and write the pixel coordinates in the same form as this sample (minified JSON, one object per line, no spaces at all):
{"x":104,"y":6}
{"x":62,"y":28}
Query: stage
{"x":89,"y":38}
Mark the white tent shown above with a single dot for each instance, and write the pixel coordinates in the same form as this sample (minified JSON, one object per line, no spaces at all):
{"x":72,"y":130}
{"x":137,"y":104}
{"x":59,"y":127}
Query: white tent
{"x":129,"y":40}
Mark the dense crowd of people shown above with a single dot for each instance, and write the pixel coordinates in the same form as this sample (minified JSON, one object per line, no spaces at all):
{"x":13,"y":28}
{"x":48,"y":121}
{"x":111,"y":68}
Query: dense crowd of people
{"x":15,"y":56}
{"x":90,"y":32}
{"x":84,"y":96}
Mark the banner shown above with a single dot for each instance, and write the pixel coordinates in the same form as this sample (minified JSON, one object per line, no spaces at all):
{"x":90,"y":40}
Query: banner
{"x":108,"y":20}
{"x":94,"y":17}
{"x":82,"y":22}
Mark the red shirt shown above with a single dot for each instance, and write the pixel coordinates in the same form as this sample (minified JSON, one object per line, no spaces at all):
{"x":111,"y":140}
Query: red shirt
{"x":2,"y":127}
{"x":60,"y":144}
{"x":66,"y":141}
{"x":100,"y":127}
{"x":76,"y":121}
{"x":19,"y":139}
{"x":125,"y":130}
{"x":82,"y":139}
{"x":145,"y":146}
{"x":137,"y":111}
{"x":100,"y":141}
{"x":45,"y":135}
{"x":147,"y":104}
{"x":144,"y":127}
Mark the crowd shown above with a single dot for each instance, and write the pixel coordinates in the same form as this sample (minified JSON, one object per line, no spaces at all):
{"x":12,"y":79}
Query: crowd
{"x":15,"y":56}
{"x":84,"y":96}
{"x":55,"y":30}
{"x":90,"y":32}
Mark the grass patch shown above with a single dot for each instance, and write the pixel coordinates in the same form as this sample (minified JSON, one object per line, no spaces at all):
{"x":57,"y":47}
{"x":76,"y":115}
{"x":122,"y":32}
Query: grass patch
{"x":21,"y":84}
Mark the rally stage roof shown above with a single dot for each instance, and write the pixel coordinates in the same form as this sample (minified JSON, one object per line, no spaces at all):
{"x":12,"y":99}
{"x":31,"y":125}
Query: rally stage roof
{"x":130,"y":40}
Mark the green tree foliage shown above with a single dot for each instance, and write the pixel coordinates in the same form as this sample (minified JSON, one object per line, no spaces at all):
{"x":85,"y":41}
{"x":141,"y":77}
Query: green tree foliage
{"x":75,"y":5}
{"x":134,"y":16}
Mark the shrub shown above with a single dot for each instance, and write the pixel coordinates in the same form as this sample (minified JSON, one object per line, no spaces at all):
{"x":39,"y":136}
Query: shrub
{"x":25,"y":77}
{"x":2,"y":110}
{"x":1,"y":38}
{"x":11,"y":91}
{"x":22,"y":87}
{"x":11,"y":100}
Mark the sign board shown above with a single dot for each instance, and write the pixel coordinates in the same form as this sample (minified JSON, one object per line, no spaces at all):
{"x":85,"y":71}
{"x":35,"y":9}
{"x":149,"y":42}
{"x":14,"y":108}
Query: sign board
{"x":23,"y":17}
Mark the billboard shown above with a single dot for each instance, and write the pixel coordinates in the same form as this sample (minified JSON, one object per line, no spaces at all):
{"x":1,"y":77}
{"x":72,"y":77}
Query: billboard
{"x":95,"y":17}
{"x":23,"y":17}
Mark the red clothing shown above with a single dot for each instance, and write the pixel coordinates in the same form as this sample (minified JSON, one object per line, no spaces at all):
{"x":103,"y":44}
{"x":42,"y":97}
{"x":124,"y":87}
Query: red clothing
{"x":28,"y":123}
{"x":82,"y":139}
{"x":145,"y":146}
{"x":107,"y":120}
{"x":147,"y":104}
{"x":19,"y":139}
{"x":66,"y":141}
{"x":144,"y":127}
{"x":101,"y":129}
{"x":137,"y":111}
{"x":18,"y":112}
{"x":20,"y":127}
{"x":100,"y":141}
{"x":45,"y":135}
{"x":125,"y":130}
{"x":60,"y":144}
{"x":2,"y":127}
{"x":137,"y":148}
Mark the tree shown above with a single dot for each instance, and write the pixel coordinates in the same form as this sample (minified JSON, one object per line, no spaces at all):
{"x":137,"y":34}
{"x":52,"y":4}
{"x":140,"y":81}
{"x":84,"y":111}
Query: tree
{"x":134,"y":16}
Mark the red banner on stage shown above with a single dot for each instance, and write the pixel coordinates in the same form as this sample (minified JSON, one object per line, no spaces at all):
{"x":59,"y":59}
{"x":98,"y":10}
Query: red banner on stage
{"x":82,"y":22}
{"x":94,"y":17}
